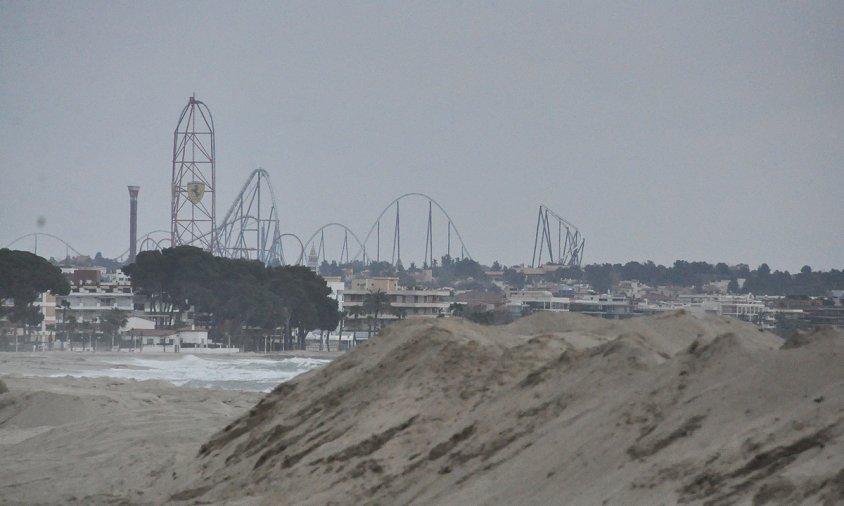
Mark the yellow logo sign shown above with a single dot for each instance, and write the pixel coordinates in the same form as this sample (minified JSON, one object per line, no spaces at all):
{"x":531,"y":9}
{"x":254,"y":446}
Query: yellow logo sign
{"x":195,"y":191}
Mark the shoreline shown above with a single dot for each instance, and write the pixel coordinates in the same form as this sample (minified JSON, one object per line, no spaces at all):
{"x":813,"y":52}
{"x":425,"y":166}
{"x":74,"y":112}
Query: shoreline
{"x":247,"y":372}
{"x":128,"y":434}
{"x":185,"y":351}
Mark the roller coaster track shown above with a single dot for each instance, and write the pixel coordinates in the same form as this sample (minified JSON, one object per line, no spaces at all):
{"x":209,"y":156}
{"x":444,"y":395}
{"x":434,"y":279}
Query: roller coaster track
{"x":147,"y":242}
{"x":36,"y":235}
{"x":320,"y":249}
{"x":429,"y":240}
{"x":251,"y":227}
{"x":301,"y":257}
{"x":569,"y":242}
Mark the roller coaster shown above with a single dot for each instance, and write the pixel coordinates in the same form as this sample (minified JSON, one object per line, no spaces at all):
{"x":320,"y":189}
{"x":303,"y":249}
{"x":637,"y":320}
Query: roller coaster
{"x":317,"y":243}
{"x":375,"y":242}
{"x":41,"y":235}
{"x":553,"y":230}
{"x":393,"y":220}
{"x":251,"y":228}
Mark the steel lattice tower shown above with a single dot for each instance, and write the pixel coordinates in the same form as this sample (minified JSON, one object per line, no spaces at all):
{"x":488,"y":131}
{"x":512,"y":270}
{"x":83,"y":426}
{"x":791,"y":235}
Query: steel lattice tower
{"x":194,"y":200}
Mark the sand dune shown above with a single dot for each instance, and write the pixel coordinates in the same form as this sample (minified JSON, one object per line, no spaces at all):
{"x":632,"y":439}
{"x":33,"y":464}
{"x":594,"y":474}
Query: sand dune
{"x":553,"y":409}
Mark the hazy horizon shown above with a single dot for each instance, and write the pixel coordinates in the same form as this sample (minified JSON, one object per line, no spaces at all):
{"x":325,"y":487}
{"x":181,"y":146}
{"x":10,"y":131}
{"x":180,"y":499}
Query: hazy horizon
{"x":705,"y":132}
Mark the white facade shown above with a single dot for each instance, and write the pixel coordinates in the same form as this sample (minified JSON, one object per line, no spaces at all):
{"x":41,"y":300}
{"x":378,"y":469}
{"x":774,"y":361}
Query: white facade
{"x":197,"y":338}
{"x":88,"y":303}
{"x":337,"y":286}
{"x":137,"y":323}
{"x":743,"y":307}
{"x":608,"y":306}
{"x":536,"y":300}
{"x":47,"y":303}
{"x":411,"y":303}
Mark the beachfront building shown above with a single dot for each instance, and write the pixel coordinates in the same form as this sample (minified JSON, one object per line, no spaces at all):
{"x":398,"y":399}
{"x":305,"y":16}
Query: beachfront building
{"x":802,"y":312}
{"x":742,"y":307}
{"x":13,"y":336}
{"x":93,"y":292}
{"x":175,"y":340}
{"x":612,"y":307}
{"x":522,"y":302}
{"x":399,"y":303}
{"x":338,"y":288}
{"x":47,"y":304}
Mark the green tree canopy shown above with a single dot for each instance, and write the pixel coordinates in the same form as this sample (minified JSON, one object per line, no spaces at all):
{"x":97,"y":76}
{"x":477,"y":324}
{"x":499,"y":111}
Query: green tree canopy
{"x":24,"y":276}
{"x":376,"y":303}
{"x":514,"y":278}
{"x":234,"y":293}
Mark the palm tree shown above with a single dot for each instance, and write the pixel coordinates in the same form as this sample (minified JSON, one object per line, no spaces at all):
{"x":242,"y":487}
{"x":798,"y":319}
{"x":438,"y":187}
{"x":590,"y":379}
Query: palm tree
{"x":355,"y":312}
{"x":113,"y":321}
{"x":343,"y":314}
{"x":65,"y":305}
{"x":398,"y":312}
{"x":375,"y":303}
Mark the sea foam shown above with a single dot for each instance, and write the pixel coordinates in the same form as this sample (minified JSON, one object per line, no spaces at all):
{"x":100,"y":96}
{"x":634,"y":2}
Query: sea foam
{"x":227,"y":372}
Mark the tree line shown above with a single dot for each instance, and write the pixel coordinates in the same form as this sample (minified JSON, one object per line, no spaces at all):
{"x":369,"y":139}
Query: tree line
{"x":234,"y":296}
{"x":469,"y":274}
{"x":759,"y":281}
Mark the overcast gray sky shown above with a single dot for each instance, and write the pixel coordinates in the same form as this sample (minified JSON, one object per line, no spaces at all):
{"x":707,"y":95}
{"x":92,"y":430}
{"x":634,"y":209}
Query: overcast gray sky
{"x":664,"y":130}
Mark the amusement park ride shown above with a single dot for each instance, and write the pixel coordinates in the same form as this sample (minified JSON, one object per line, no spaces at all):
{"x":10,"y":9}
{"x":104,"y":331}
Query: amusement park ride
{"x":251,"y":228}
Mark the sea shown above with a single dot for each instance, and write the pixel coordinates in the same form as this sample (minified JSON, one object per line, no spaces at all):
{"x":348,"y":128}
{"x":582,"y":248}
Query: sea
{"x":228,"y":372}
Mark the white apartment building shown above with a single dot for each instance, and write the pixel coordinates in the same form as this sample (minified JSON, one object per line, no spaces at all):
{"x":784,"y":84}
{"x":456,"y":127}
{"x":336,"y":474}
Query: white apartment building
{"x":605,"y":305}
{"x":47,"y":303}
{"x":93,"y":293}
{"x":743,"y":307}
{"x":411,"y":302}
{"x":535,"y":300}
{"x":338,"y":287}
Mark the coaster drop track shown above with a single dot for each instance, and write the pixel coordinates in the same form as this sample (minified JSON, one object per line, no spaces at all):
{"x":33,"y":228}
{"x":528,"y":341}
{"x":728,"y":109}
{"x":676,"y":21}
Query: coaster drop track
{"x":561,"y":239}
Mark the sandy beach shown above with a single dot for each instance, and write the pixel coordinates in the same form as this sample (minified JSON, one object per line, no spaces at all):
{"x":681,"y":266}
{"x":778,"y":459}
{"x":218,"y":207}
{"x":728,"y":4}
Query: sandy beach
{"x":102,"y":441}
{"x":66,"y":440}
{"x":553,"y":409}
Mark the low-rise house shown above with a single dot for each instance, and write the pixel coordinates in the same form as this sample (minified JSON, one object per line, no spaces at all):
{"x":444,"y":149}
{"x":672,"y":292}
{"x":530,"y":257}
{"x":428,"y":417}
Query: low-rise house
{"x":168,"y":339}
